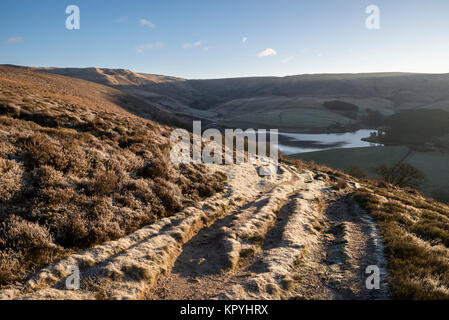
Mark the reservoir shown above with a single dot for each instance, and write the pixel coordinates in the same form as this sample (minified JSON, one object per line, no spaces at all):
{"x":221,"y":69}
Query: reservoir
{"x":292,"y":143}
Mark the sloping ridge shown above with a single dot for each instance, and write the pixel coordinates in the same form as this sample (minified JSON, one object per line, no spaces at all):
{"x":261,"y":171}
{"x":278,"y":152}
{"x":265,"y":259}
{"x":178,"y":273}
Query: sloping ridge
{"x":292,"y":103}
{"x":425,"y":89}
{"x":77,"y":170}
{"x":110,"y":83}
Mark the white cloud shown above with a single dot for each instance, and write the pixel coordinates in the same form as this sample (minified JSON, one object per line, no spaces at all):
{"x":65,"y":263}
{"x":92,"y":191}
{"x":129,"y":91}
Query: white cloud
{"x":191,"y":45}
{"x":147,"y":23}
{"x":268,"y":52}
{"x":244,"y":39}
{"x":149,"y":46}
{"x":15,"y":39}
{"x":288,"y":59}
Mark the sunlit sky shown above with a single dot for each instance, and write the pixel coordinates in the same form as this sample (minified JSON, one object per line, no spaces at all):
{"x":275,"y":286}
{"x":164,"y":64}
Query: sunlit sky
{"x":228,"y":38}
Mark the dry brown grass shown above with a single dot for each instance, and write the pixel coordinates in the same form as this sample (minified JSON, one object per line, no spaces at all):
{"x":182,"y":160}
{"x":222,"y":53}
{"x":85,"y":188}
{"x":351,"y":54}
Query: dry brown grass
{"x":340,"y":184}
{"x":415,"y":230}
{"x":313,"y":166}
{"x":76,"y":170}
{"x":416,"y":234}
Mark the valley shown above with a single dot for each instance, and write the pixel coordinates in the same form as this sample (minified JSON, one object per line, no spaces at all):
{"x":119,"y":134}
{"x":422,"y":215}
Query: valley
{"x":290,"y":104}
{"x":87,"y":181}
{"x":223,"y":159}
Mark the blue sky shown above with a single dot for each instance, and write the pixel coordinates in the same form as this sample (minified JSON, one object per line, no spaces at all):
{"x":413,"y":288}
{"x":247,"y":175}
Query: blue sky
{"x":204,"y":38}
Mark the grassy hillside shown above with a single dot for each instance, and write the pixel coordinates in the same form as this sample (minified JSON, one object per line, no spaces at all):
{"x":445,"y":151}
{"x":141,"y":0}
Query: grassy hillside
{"x":415,"y":231}
{"x":284,"y":102}
{"x":77,"y":170}
{"x":301,"y":119}
{"x":434,"y":165}
{"x":365,"y":158}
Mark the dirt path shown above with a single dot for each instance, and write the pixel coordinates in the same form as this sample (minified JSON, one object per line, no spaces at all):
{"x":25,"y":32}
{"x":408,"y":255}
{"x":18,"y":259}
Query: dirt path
{"x":317,"y":246}
{"x":335,"y":269}
{"x":287,"y":236}
{"x":199,"y":271}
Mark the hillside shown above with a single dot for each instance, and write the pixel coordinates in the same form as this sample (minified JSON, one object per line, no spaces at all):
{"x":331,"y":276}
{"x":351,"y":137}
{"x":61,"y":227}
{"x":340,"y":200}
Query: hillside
{"x":86,"y":183}
{"x":293,"y":103}
{"x":291,"y":235}
{"x":76,"y":170}
{"x":305,"y":233}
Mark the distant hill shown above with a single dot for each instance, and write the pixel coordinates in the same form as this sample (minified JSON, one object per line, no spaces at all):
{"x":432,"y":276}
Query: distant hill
{"x":293,"y":103}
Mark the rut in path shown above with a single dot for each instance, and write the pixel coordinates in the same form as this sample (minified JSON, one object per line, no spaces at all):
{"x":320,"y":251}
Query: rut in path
{"x":336,"y":268}
{"x":287,"y":236}
{"x":126,"y":268}
{"x":199,"y":271}
{"x":317,"y":247}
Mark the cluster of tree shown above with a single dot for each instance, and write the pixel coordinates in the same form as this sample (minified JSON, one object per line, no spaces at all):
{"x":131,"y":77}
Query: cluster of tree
{"x":417,"y":126}
{"x":338,"y":105}
{"x":403,"y":175}
{"x":373,"y":118}
{"x":347,"y":109}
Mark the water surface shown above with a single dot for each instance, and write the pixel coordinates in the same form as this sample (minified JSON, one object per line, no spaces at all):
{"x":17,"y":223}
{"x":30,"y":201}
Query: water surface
{"x":292,"y":143}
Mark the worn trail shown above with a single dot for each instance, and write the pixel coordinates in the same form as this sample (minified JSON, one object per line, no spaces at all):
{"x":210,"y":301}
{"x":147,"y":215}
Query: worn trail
{"x":287,"y":236}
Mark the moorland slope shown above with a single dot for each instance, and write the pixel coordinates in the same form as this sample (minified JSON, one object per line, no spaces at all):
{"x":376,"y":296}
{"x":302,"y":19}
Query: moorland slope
{"x":293,"y":103}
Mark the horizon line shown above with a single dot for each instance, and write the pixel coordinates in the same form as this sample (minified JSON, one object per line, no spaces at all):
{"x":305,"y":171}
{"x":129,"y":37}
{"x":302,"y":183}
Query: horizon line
{"x":236,"y":77}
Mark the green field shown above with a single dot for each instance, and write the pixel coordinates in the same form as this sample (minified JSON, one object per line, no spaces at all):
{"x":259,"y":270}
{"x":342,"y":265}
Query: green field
{"x":365,"y":158}
{"x":303,"y":118}
{"x":434,"y":165}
